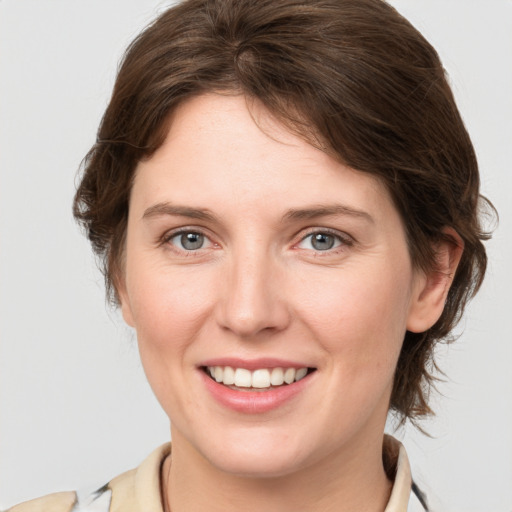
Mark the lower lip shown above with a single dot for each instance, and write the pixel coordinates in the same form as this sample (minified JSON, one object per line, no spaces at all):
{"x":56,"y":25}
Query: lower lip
{"x":254,"y":402}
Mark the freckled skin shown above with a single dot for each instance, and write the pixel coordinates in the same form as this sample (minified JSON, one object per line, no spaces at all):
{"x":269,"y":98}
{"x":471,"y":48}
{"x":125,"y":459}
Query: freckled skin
{"x":259,"y":288}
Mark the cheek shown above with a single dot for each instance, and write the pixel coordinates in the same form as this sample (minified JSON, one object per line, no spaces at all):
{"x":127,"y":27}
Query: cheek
{"x":358,"y":317}
{"x":169,"y":311}
{"x":169,"y":307}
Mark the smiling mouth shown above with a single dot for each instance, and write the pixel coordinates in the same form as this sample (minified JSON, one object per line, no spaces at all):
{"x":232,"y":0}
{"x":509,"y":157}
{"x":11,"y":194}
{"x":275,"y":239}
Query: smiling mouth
{"x":261,"y":379}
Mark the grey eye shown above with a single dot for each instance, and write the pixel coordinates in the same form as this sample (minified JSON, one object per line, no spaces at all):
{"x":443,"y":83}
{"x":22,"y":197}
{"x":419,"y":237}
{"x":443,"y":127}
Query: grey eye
{"x":189,"y":241}
{"x":322,"y":241}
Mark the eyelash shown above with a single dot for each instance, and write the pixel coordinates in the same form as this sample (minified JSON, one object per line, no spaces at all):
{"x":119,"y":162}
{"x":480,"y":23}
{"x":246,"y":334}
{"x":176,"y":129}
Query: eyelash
{"x":342,"y":239}
{"x":167,"y":238}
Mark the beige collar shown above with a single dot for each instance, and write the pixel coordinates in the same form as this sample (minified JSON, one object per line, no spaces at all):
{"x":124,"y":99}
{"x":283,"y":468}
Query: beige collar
{"x":402,"y":480}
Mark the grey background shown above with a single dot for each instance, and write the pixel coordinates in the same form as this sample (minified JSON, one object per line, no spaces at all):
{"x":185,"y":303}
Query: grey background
{"x":75,"y":409}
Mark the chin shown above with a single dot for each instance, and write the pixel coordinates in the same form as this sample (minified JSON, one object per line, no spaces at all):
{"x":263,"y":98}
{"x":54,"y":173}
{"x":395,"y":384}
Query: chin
{"x":261,"y":455}
{"x":262,"y":466}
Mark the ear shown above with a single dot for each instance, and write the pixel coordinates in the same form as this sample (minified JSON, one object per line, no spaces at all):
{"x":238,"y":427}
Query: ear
{"x":430,"y":290}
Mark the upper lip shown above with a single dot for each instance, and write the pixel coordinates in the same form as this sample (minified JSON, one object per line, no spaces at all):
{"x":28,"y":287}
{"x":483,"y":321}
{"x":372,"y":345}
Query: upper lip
{"x":254,"y":364}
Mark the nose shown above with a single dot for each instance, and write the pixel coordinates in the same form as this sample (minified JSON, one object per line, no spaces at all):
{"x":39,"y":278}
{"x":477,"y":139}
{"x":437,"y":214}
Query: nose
{"x":253,"y":300}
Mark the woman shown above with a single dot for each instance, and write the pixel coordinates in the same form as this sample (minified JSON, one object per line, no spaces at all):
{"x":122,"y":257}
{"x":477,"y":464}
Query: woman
{"x":286,"y":203}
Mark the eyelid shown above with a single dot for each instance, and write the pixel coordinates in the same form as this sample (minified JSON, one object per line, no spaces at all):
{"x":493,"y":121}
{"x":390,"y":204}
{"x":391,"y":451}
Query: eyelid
{"x":172,"y":233}
{"x":345,"y":239}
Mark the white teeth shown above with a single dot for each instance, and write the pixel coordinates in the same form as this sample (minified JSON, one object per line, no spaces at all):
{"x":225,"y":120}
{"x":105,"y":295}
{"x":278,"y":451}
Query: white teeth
{"x":300,"y":373}
{"x":229,"y":376}
{"x":261,"y":378}
{"x":277,"y":377}
{"x":243,"y":378}
{"x":289,"y":375}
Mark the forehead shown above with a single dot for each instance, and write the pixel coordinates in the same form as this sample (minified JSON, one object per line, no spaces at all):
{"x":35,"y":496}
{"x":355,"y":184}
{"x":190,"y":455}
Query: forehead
{"x":223,"y":150}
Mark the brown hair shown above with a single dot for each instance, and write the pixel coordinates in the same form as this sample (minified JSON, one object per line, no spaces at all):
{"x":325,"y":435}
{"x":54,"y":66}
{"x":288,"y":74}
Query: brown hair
{"x":351,"y":76}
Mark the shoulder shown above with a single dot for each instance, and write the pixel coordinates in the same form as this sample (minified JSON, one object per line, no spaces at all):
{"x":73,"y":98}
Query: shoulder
{"x":131,"y":491}
{"x":57,"y":502}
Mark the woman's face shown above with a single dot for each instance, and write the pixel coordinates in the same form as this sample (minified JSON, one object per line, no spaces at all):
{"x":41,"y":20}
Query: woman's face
{"x":248,"y":249}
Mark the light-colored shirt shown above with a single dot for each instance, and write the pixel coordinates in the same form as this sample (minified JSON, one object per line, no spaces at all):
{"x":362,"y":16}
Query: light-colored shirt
{"x":138,"y":490}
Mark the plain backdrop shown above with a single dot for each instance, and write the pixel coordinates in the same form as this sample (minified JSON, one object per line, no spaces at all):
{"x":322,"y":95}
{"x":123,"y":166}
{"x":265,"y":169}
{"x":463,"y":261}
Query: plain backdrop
{"x":75,"y":409}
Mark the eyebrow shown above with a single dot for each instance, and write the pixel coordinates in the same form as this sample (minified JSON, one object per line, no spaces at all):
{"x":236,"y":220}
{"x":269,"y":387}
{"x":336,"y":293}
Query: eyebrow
{"x":314,"y":212}
{"x":326,"y":210}
{"x":181,"y":211}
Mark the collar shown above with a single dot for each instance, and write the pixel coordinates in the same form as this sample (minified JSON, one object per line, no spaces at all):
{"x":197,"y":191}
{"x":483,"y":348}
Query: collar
{"x":399,"y":470}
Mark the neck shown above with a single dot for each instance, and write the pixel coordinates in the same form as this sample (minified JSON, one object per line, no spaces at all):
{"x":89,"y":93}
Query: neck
{"x":353,"y":479}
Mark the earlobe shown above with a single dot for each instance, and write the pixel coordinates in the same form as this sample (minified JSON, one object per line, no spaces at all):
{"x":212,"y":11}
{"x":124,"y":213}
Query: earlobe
{"x":126,"y":309}
{"x":430,"y":290}
{"x":127,"y":313}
